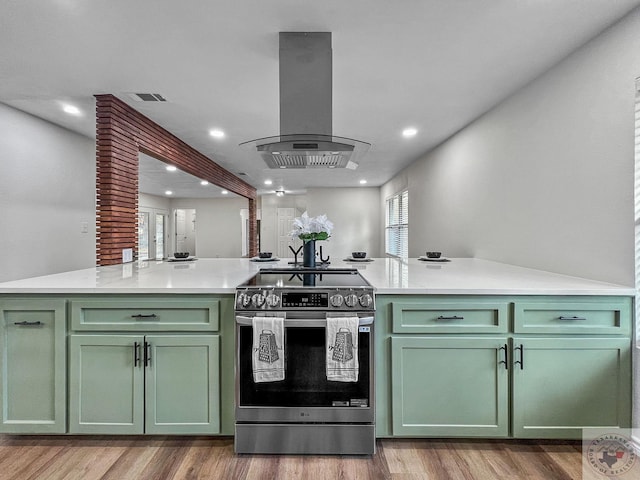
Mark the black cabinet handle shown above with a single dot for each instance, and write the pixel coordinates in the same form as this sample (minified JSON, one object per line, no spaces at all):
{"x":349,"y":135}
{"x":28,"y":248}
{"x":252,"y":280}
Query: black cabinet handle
{"x":521,"y":361}
{"x":147,"y":354}
{"x":140,"y":316}
{"x":506,"y":357}
{"x":562,"y":317}
{"x":453,"y":317}
{"x":136,"y":354}
{"x":28,"y":324}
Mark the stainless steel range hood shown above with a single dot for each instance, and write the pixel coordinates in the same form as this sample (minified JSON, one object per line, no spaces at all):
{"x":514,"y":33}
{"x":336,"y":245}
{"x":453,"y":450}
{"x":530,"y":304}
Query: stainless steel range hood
{"x":306,"y":139}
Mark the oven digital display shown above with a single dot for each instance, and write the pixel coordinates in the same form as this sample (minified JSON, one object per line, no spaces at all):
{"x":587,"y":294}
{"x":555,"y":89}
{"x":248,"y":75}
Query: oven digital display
{"x":305,"y":299}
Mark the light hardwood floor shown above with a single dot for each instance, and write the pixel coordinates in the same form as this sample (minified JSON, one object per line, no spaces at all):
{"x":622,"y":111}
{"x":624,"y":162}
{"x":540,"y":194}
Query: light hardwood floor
{"x":164,"y":458}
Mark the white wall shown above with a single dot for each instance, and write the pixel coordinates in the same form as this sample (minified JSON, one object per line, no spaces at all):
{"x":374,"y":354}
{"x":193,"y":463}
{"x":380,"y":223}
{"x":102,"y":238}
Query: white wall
{"x":218,"y":225}
{"x":154,"y":202}
{"x":355,"y":213}
{"x":47,"y":195}
{"x":544,"y":180}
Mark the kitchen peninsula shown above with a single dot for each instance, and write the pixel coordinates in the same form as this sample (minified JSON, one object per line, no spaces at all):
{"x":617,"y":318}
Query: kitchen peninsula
{"x":463,"y":348}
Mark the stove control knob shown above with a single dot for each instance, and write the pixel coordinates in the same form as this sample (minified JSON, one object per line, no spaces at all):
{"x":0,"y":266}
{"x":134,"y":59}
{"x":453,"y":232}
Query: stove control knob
{"x":366,"y":300}
{"x":336,"y":300}
{"x":351,"y":300}
{"x":258,"y":299}
{"x":273,"y":300}
{"x":244,"y":300}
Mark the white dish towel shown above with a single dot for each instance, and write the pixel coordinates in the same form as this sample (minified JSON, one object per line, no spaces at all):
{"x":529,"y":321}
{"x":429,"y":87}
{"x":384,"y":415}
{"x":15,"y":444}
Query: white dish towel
{"x":342,"y":349}
{"x":268,"y":349}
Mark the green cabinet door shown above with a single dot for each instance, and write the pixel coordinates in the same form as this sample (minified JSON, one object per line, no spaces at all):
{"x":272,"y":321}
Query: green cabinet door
{"x":182,"y":384}
{"x":32,"y":366}
{"x":106,"y":384}
{"x":449,"y":386}
{"x":565,"y":384}
{"x":133,"y":384}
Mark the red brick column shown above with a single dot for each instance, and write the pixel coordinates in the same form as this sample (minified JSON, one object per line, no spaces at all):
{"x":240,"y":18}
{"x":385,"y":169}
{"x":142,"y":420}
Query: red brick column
{"x":121,"y":132}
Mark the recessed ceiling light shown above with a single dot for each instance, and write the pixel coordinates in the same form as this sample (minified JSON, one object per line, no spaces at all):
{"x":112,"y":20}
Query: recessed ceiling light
{"x":171,"y":168}
{"x":283,"y":166}
{"x":268,"y":182}
{"x":71,"y":109}
{"x":275,"y":153}
{"x":332,"y":166}
{"x":168,"y":192}
{"x":363,"y":181}
{"x":409,"y":132}
{"x":204,"y":182}
{"x":216,"y":133}
{"x":224,"y":192}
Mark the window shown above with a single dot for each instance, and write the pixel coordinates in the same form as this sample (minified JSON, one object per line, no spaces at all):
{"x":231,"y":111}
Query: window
{"x":397,"y":225}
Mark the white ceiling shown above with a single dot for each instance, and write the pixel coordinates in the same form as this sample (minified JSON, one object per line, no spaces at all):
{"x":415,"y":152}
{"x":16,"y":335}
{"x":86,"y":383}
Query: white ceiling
{"x":435,"y":65}
{"x":154,"y":179}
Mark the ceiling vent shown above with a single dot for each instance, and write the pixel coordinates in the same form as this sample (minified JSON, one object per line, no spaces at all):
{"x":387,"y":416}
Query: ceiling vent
{"x":306,"y":139}
{"x":147,"y":97}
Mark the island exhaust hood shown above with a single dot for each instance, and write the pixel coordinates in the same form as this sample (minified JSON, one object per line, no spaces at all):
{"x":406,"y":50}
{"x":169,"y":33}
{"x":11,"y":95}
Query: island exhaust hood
{"x":306,"y":138}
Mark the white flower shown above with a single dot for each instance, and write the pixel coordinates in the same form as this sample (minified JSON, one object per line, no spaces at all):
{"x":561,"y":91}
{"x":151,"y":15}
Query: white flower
{"x":311,"y":228}
{"x":321,"y":224}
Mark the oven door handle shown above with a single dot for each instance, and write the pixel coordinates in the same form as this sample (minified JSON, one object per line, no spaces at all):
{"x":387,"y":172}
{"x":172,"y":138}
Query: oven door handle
{"x":302,"y":322}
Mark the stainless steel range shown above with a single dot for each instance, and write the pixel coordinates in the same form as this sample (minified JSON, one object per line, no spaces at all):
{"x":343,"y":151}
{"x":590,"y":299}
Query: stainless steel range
{"x":304,"y":363}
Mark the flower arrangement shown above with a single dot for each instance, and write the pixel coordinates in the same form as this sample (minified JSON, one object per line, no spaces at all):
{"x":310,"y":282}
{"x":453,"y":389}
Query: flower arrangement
{"x":308,"y":228}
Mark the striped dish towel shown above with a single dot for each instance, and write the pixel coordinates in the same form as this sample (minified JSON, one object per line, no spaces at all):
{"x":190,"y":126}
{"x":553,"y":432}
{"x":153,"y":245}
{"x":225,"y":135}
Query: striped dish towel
{"x":268,"y":349}
{"x":342,"y":349}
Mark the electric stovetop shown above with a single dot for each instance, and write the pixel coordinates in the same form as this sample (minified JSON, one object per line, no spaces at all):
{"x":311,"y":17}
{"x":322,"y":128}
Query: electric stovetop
{"x":306,"y":277}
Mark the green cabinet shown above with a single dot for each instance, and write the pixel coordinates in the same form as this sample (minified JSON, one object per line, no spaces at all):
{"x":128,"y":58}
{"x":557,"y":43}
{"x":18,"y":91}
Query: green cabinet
{"x":561,"y":385}
{"x":468,"y":315}
{"x":155,"y":384}
{"x":182,"y":384}
{"x":32,"y":365}
{"x":150,"y":364}
{"x":449,"y":386}
{"x":584,"y":316}
{"x":562,"y":364}
{"x":146,"y":314}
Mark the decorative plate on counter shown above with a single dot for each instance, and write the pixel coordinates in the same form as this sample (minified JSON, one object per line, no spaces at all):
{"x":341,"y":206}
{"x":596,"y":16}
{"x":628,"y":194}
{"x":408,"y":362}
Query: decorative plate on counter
{"x":352,"y":259}
{"x":427,"y":259}
{"x":258,"y":259}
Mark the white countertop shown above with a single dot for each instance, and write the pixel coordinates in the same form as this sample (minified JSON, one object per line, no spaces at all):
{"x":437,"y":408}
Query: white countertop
{"x":466,"y":276}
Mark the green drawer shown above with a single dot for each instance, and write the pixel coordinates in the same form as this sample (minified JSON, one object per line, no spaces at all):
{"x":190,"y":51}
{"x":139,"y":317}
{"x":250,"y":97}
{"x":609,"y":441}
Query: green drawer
{"x":594,"y":315}
{"x":462,"y":316}
{"x":145,"y":314}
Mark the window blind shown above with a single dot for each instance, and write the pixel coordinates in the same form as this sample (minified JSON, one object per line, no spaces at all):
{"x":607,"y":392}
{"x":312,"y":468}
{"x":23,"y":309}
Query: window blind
{"x":637,"y":194}
{"x":397,"y":225}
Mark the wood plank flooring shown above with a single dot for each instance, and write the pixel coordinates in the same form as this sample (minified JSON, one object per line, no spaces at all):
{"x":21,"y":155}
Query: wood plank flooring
{"x":178,"y":458}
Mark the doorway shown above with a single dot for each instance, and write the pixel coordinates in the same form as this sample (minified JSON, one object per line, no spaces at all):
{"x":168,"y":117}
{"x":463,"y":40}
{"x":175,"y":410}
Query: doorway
{"x":152,"y":234}
{"x":185,"y":230}
{"x":284,"y":218}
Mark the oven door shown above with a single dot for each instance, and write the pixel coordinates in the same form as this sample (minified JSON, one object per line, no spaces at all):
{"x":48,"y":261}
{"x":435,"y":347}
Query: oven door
{"x":305,"y":395}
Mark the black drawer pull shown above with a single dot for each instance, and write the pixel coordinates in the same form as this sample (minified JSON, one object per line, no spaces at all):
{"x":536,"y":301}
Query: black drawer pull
{"x":140,"y":316}
{"x":521,"y":361}
{"x":136,"y":354}
{"x":506,"y":357}
{"x":453,"y":317}
{"x":28,"y":324}
{"x":147,"y":354}
{"x":562,"y":317}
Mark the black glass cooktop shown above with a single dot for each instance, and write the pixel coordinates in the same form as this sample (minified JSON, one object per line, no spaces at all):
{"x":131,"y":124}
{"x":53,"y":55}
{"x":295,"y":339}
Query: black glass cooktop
{"x":296,"y":277}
